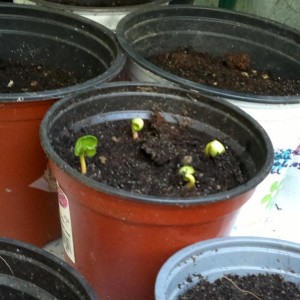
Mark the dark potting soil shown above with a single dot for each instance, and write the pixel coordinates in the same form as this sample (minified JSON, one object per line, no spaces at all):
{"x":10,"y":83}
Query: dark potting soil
{"x":17,"y":77}
{"x":100,"y":3}
{"x":250,"y":287}
{"x":150,"y":164}
{"x":233,"y":71}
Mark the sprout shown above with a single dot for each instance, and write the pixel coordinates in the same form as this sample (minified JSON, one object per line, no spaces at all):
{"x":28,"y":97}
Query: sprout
{"x":214,"y":148}
{"x":187,"y":173}
{"x":85,"y":146}
{"x":137,"y":125}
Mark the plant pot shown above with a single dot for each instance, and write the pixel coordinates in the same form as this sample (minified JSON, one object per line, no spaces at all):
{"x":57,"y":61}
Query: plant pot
{"x":28,"y":272}
{"x":100,"y":11}
{"x":38,"y":35}
{"x":271,"y":45}
{"x":216,"y":258}
{"x":109,"y":230}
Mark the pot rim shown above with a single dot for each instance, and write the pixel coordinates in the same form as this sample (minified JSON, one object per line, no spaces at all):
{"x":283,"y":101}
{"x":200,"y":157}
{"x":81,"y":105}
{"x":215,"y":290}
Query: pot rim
{"x":224,"y":93}
{"x":113,"y":70}
{"x":238,"y":243}
{"x":45,"y":258}
{"x":217,"y":197}
{"x":99,"y":9}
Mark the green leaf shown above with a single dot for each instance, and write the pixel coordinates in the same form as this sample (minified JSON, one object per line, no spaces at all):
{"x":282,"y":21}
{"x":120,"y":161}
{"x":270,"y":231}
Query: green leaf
{"x":86,"y":145}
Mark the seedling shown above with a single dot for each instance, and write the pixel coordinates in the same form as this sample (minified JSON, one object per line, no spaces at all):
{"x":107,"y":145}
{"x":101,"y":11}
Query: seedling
{"x":85,"y":146}
{"x":187,"y":173}
{"x":137,"y":125}
{"x":214,"y":148}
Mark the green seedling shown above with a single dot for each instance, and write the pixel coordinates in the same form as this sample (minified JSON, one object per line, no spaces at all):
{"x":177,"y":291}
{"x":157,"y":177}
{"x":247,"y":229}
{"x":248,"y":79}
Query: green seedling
{"x":85,"y":146}
{"x":187,"y":173}
{"x":214,"y":148}
{"x":137,"y":125}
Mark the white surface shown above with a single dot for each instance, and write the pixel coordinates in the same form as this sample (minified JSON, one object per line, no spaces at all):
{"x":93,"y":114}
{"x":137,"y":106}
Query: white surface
{"x":283,"y":219}
{"x":56,"y":248}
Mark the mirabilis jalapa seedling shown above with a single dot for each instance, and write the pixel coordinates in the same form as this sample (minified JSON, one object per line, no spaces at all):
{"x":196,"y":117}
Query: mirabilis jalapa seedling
{"x":187,"y":173}
{"x":85,"y":146}
{"x":137,"y":124}
{"x":212,"y":149}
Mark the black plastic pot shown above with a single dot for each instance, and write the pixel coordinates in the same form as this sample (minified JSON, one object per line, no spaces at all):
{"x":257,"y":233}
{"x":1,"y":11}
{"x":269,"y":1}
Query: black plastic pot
{"x":58,"y":39}
{"x":124,"y":227}
{"x":27,"y":272}
{"x":216,"y":31}
{"x":216,"y":258}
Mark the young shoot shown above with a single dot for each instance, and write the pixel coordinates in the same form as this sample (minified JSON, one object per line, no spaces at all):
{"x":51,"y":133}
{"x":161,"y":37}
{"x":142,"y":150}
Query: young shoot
{"x":137,"y":125}
{"x":85,"y":146}
{"x":214,"y":148}
{"x":187,"y":173}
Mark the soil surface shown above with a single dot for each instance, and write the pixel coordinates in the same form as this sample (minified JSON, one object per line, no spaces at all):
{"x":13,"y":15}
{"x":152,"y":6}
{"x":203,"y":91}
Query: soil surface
{"x":17,"y":77}
{"x":150,"y":164}
{"x":100,"y":3}
{"x":233,"y":71}
{"x":250,"y":287}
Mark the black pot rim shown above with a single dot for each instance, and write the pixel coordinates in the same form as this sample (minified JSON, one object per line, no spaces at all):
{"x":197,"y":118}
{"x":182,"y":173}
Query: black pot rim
{"x":76,"y":175}
{"x":226,"y":94}
{"x":43,"y":257}
{"x":146,"y":5}
{"x":108,"y":75}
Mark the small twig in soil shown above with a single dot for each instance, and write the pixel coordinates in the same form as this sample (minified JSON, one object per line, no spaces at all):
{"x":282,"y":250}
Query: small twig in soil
{"x":7,"y":265}
{"x":241,"y":290}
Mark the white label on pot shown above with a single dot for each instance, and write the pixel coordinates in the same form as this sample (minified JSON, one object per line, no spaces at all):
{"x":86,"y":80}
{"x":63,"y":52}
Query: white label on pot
{"x":65,"y":221}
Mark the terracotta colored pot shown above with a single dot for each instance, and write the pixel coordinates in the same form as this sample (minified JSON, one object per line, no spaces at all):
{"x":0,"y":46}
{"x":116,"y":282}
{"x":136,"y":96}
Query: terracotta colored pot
{"x":118,"y":240}
{"x":29,"y":210}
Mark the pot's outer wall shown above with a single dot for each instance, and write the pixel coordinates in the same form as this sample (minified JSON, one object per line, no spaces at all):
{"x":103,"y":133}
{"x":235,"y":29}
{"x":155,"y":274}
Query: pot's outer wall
{"x":112,"y":230}
{"x":271,"y":45}
{"x":218,"y":257}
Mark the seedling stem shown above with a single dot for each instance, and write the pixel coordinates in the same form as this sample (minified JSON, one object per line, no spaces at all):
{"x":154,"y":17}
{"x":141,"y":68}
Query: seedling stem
{"x":187,"y":173}
{"x":85,"y":146}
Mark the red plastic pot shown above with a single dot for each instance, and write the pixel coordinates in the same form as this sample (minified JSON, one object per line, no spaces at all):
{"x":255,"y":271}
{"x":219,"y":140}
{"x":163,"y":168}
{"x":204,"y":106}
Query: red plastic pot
{"x":29,"y":211}
{"x":118,"y":240}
